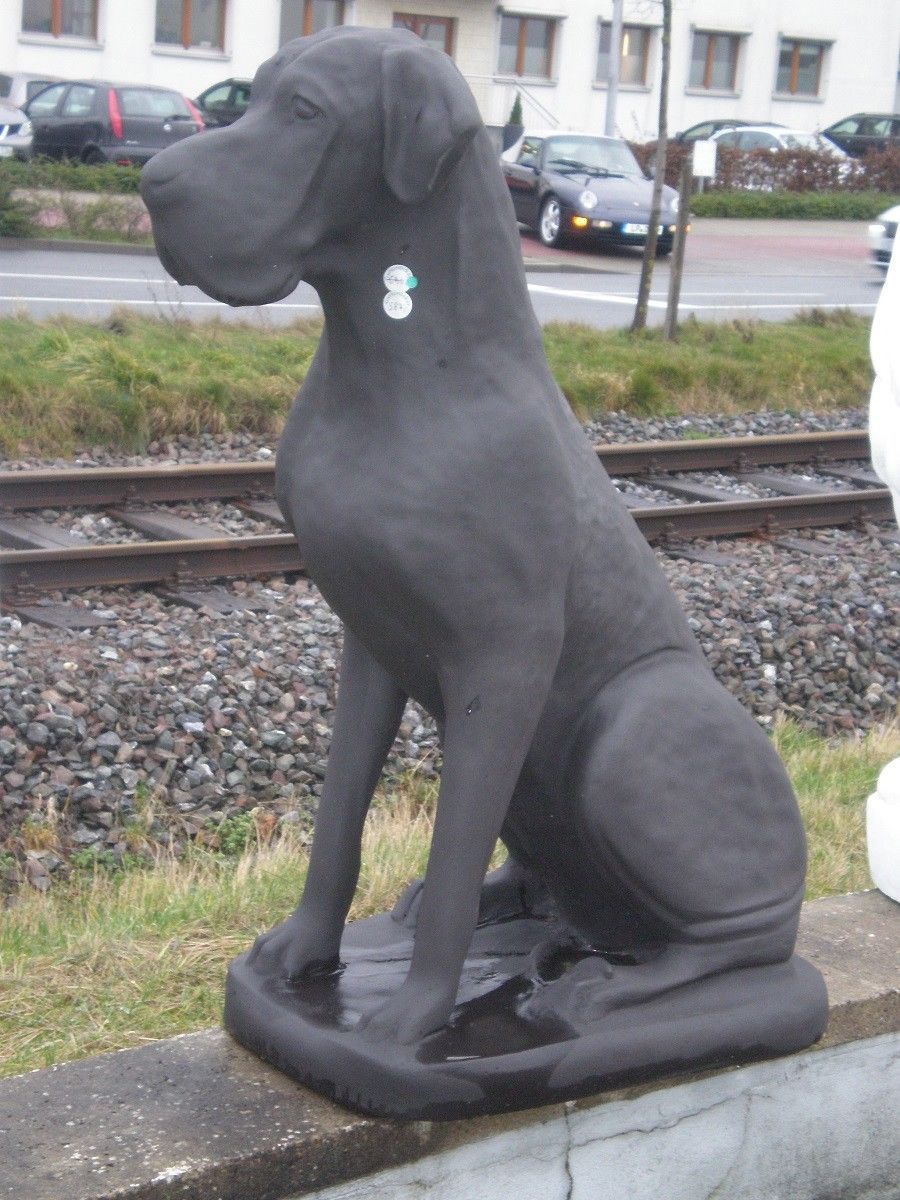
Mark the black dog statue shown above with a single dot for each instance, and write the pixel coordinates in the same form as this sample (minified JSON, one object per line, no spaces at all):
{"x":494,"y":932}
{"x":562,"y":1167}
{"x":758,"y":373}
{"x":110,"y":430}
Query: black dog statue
{"x":453,"y":513}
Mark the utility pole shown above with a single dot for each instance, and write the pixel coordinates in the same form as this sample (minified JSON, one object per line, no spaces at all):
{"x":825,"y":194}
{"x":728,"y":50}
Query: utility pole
{"x":677,"y":268}
{"x":643,"y":298}
{"x":615,"y":60}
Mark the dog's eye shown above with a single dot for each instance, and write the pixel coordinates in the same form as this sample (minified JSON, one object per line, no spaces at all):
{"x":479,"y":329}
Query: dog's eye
{"x":305,"y":109}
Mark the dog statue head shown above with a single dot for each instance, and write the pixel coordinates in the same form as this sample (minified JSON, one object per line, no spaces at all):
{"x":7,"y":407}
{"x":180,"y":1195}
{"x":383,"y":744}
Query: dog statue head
{"x":341,"y":128}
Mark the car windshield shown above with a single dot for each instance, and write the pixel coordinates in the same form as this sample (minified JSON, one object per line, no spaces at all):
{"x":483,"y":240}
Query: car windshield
{"x":142,"y":102}
{"x":593,"y":156}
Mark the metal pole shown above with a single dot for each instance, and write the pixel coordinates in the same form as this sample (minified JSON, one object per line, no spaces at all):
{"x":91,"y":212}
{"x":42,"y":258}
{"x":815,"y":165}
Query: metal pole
{"x":671,"y":324}
{"x":615,"y":56}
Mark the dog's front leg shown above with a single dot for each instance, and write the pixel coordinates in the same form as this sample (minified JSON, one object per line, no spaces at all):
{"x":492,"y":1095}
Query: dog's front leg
{"x":369,"y":708}
{"x":491,"y":719}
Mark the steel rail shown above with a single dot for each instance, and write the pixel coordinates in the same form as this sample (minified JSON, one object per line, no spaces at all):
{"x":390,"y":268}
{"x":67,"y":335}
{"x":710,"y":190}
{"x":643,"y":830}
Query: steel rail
{"x":106,"y":486}
{"x":186,"y":561}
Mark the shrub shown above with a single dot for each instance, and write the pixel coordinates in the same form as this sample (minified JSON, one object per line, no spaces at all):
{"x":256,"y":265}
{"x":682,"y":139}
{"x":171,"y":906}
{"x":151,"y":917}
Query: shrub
{"x":70,"y":176}
{"x":833,"y":206}
{"x":15,"y":214}
{"x":787,"y":170}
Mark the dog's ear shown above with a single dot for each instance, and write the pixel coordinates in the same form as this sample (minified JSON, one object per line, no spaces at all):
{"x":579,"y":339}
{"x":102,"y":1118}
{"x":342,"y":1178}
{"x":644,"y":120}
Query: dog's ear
{"x":430,"y":116}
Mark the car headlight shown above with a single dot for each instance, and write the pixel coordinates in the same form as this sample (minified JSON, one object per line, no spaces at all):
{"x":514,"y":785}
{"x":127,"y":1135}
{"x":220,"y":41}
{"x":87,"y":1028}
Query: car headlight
{"x":26,"y":129}
{"x":877,"y":230}
{"x":588,"y":199}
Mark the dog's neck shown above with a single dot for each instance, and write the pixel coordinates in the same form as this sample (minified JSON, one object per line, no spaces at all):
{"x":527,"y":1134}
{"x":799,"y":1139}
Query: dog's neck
{"x":469,"y":310}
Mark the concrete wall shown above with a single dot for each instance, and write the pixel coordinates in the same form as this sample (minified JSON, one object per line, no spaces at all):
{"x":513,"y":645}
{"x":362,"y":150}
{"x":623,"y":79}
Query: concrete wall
{"x":817,"y":1125}
{"x":860,"y":66}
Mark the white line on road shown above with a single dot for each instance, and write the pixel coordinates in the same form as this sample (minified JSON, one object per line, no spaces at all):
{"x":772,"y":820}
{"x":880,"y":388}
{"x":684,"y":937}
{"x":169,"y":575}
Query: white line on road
{"x":544,"y":289}
{"x":127,"y":302}
{"x":613,"y":298}
{"x":91,"y":278}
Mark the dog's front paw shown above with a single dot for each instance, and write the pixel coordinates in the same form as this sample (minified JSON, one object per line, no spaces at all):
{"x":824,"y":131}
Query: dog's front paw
{"x":410,"y":1015}
{"x":296,"y":949}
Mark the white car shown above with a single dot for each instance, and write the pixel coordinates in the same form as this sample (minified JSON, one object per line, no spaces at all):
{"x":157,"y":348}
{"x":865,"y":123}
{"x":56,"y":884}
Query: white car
{"x":768,"y":137}
{"x":882,"y":232}
{"x":15,"y":132}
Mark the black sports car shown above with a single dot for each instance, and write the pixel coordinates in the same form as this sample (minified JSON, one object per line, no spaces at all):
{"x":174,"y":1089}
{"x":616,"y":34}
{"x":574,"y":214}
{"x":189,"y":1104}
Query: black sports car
{"x":574,"y":184}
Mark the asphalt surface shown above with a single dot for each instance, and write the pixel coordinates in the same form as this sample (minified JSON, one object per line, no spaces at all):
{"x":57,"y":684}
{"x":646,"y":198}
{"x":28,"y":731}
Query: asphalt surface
{"x":733,"y":269}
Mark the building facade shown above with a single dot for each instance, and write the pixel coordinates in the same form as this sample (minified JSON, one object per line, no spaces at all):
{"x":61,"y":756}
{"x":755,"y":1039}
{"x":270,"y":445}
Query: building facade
{"x":804,"y":63}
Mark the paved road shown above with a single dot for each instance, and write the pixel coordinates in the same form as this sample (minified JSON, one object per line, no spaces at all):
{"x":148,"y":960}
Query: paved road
{"x":763,"y":269}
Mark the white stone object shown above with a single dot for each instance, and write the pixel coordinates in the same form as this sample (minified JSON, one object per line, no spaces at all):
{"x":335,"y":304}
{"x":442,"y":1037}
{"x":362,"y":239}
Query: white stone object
{"x":883,"y":831}
{"x":884,"y":405}
{"x":883,"y":806}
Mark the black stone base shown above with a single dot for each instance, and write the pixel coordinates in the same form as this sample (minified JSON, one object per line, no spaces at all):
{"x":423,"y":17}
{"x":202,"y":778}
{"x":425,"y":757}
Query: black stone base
{"x":497,"y":1054}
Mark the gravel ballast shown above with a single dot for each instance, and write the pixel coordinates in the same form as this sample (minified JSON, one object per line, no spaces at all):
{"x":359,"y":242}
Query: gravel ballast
{"x":153,"y":727}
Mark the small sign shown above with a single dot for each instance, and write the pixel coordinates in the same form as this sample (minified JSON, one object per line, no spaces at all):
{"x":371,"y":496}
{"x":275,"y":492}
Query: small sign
{"x":704,"y":165}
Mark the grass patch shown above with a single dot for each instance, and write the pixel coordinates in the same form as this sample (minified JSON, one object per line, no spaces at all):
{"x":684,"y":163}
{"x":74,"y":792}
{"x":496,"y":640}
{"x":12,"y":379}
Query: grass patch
{"x":116,"y":959}
{"x":66,"y":384}
{"x":814,"y":205}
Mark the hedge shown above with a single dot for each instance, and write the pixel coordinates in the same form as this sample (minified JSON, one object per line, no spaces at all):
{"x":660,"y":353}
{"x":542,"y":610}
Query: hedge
{"x":834,"y":206}
{"x":69,"y":176}
{"x":788,"y":170}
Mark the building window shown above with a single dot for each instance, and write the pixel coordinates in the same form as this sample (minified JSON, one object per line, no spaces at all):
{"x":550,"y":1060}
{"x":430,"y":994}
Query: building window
{"x":634,"y":53}
{"x":714,"y":59}
{"x":799,"y":67}
{"x":60,"y":18}
{"x":526,"y":46}
{"x":436,"y":31}
{"x":300,"y":18}
{"x":193,"y":24}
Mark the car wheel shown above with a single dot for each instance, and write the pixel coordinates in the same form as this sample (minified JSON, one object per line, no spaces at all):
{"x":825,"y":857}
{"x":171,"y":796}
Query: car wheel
{"x":550,"y":222}
{"x":93,"y":157}
{"x":663,"y":251}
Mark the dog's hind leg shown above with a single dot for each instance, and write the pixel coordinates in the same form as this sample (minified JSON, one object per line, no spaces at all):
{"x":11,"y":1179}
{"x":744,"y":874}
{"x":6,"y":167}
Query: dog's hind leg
{"x":369,"y":708}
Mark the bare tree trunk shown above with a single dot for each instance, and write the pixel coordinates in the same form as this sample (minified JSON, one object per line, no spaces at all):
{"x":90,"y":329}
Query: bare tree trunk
{"x":643,"y":297}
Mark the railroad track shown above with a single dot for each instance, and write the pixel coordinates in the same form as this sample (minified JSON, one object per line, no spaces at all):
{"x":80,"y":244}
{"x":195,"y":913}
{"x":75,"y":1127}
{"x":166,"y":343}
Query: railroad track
{"x":37,"y":555}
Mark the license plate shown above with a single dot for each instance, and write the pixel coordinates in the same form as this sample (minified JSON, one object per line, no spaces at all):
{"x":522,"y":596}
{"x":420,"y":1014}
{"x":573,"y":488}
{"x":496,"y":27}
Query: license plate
{"x":6,"y":151}
{"x":638,"y":229}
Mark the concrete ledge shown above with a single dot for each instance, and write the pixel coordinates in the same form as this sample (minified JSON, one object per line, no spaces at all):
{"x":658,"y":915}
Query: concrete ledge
{"x":197,"y":1118}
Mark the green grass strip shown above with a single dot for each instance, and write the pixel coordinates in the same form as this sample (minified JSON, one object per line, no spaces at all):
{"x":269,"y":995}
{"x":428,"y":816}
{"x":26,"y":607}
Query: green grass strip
{"x":65,"y":384}
{"x":109,"y":960}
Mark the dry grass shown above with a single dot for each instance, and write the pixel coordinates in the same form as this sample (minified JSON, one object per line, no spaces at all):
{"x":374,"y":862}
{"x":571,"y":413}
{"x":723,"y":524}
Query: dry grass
{"x":108,"y":961}
{"x":66,"y":384}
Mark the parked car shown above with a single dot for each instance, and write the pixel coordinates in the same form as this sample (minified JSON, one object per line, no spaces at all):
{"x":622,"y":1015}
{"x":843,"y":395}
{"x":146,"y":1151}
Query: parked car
{"x":100,"y":122}
{"x":15,"y":132}
{"x":18,"y":87}
{"x":882,"y":233}
{"x":224,"y":102}
{"x":767,"y":137}
{"x":865,"y":131}
{"x":705,"y":129}
{"x":580,"y":185}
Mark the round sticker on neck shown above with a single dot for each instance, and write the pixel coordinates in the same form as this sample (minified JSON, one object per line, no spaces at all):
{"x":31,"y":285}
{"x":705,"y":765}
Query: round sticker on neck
{"x":397,"y":305}
{"x":398,"y":278}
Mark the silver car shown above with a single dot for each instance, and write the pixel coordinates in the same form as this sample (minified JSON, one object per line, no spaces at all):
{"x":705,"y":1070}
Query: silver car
{"x":15,"y":132}
{"x":18,"y":87}
{"x":882,"y":233}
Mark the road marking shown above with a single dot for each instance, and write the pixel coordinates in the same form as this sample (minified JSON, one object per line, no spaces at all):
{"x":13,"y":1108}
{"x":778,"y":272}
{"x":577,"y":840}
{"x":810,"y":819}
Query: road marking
{"x":599,"y":297}
{"x":618,"y":298}
{"x":156,"y":303}
{"x":744,"y":307}
{"x":90,"y":278}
